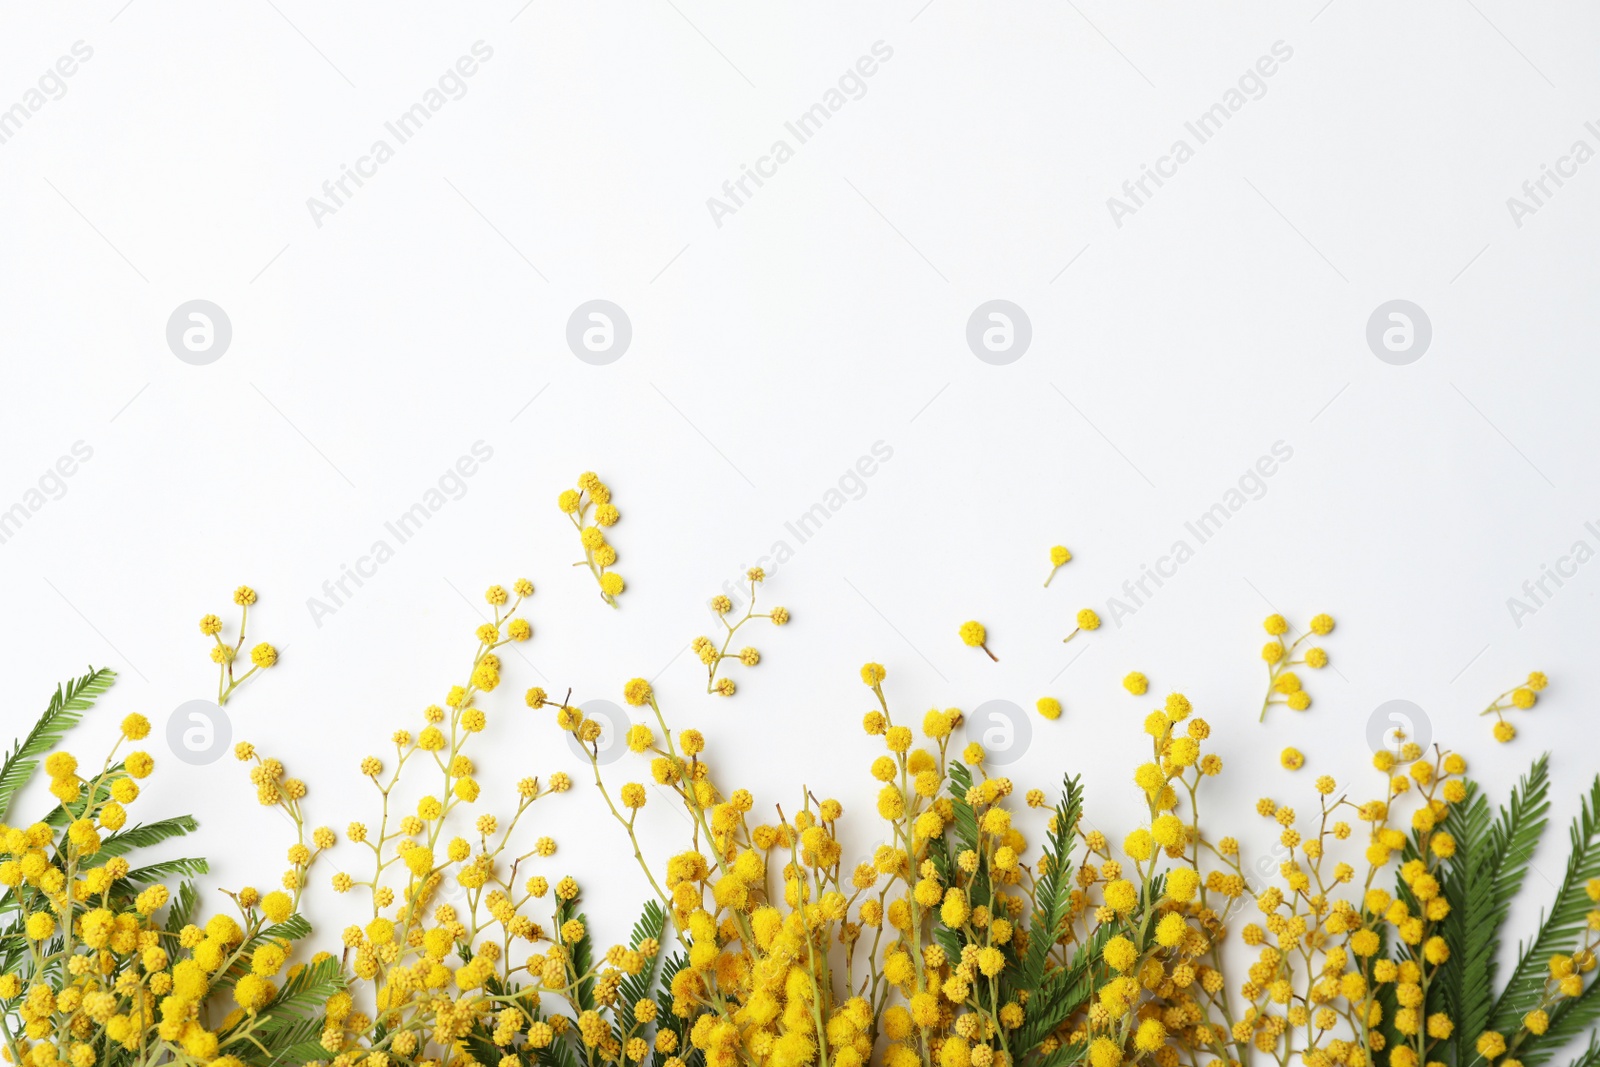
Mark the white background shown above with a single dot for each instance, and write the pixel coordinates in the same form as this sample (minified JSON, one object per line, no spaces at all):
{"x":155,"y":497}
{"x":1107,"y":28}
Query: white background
{"x":769,"y":353}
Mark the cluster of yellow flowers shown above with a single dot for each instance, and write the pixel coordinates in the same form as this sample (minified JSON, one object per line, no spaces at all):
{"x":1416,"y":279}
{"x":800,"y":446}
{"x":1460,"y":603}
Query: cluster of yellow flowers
{"x":91,"y":974}
{"x":598,"y":554}
{"x":949,"y":946}
{"x":1283,"y":684}
{"x":712,"y":654}
{"x":757,"y":979}
{"x":791,"y":956}
{"x":262,"y":656}
{"x":275,"y":789}
{"x":1158,"y":926}
{"x":1372,"y":927}
{"x":438,"y":961}
{"x":1356,"y":981}
{"x":1519,"y":697}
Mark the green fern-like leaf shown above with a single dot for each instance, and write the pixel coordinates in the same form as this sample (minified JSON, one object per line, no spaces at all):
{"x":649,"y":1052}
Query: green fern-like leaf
{"x":634,"y":988}
{"x":1570,"y":1017}
{"x":556,"y":1054}
{"x":1480,"y":882}
{"x":581,"y":952}
{"x":966,"y":820}
{"x":1591,"y":1055}
{"x":65,"y":711}
{"x":302,"y":996}
{"x":966,"y":828}
{"x":182,"y":908}
{"x":300,"y":1052}
{"x":189,"y":867}
{"x":1065,"y":1056}
{"x":294,"y":928}
{"x":1064,"y":990}
{"x":1558,"y":932}
{"x":667,"y":1019}
{"x":144,"y":835}
{"x":1053,"y":886}
{"x":296,"y":1043}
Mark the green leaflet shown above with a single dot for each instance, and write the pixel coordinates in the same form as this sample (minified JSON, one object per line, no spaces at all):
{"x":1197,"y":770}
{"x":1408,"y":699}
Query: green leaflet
{"x":581,"y":950}
{"x":144,"y":835}
{"x":189,"y":866}
{"x":1574,"y":1016}
{"x":65,"y":711}
{"x":691,"y":1056}
{"x":301,"y":1052}
{"x":1064,"y":1056}
{"x":966,"y":823}
{"x":1591,"y":1055}
{"x":651,"y":925}
{"x":299,"y":1002}
{"x":1065,"y":990}
{"x":293,"y":928}
{"x":1053,"y":887}
{"x":182,"y":908}
{"x":555,"y":1054}
{"x":1480,"y":882}
{"x":1053,"y":995}
{"x":1559,"y":932}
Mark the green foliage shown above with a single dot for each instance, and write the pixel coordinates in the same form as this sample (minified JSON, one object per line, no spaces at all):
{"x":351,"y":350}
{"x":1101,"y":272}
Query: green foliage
{"x":581,"y":952}
{"x":1480,"y":881}
{"x":1054,"y":886}
{"x":66,"y":710}
{"x":568,"y":1050}
{"x":283,"y":1033}
{"x":1559,"y":933}
{"x":1066,"y":989}
{"x":289,"y":1028}
{"x":182,"y":907}
{"x":1053,"y":990}
{"x":966,"y":834}
{"x":1591,"y":1055}
{"x":144,"y":835}
{"x":189,"y":867}
{"x":652,"y":925}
